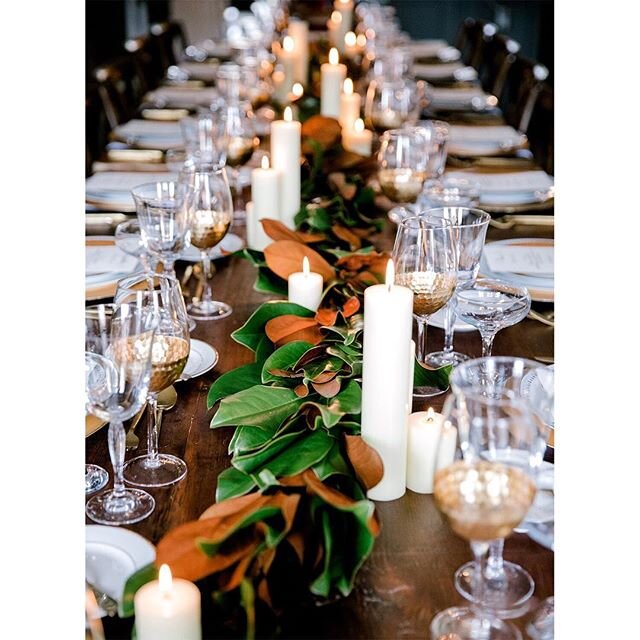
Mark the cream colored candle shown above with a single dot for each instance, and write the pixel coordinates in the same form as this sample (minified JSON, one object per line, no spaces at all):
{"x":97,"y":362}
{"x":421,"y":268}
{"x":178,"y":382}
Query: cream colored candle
{"x":357,"y":140}
{"x":447,"y":446}
{"x":299,"y":31}
{"x":167,"y":609}
{"x":386,"y":363}
{"x":333,"y":29}
{"x":332,"y":75}
{"x":305,"y":287}
{"x":351,"y":48}
{"x":265,"y":194}
{"x":423,"y":441}
{"x":285,"y":157}
{"x":349,"y":105}
{"x":345,"y":9}
{"x":286,"y":65}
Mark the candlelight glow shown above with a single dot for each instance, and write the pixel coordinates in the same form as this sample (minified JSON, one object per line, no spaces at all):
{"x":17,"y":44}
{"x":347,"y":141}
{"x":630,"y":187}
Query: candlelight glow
{"x":278,"y":77}
{"x":297,"y":90}
{"x":361,"y":40}
{"x":336,"y":17}
{"x":265,"y":162}
{"x":288,"y":44}
{"x":165,"y":580}
{"x":390,"y":274}
{"x":358,"y":125}
{"x":347,"y":87}
{"x":288,"y":114}
{"x":306,"y":269}
{"x":333,"y":56}
{"x":370,"y":33}
{"x":350,"y":39}
{"x":345,"y":2}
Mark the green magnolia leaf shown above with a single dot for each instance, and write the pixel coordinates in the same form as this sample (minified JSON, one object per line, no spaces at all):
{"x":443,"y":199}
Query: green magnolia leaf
{"x":255,"y":257}
{"x":253,"y":461}
{"x":252,"y":331}
{"x":233,"y":483}
{"x":247,"y":438}
{"x":439,"y":378}
{"x":332,"y":464}
{"x":319,"y":219}
{"x":136,"y":580}
{"x":263,"y":350}
{"x":284,"y":358}
{"x":314,"y":369}
{"x":269,"y":282}
{"x":349,"y":400}
{"x":258,"y":405}
{"x":233,"y":381}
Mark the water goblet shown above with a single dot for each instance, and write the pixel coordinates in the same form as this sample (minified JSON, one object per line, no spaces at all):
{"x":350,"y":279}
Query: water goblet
{"x":95,"y":478}
{"x":425,"y":260}
{"x":118,"y":342}
{"x":491,"y":305}
{"x":449,"y":192}
{"x":436,"y":133}
{"x":130,"y":239}
{"x":210,"y":222}
{"x":170,"y":351}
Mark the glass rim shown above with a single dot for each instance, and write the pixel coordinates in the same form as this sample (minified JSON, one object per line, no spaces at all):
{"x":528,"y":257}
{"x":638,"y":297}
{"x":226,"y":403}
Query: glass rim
{"x":127,"y":283}
{"x":136,"y":191}
{"x":484,"y":216}
{"x":435,"y":222}
{"x":522,"y":290}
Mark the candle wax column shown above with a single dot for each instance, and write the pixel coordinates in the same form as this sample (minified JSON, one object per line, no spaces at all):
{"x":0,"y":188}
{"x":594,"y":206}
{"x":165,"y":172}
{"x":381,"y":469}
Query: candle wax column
{"x":285,"y":157}
{"x":299,"y":31}
{"x":358,"y":140}
{"x":447,"y":446}
{"x":345,"y":9}
{"x":349,"y":105}
{"x":265,"y":195}
{"x":385,"y":381}
{"x":424,"y":435}
{"x":287,"y":63}
{"x":305,"y":287}
{"x":332,"y":75}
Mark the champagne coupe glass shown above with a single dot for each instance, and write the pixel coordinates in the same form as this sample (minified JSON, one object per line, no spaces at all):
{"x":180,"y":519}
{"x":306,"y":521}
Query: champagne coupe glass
{"x":491,"y":305}
{"x":170,"y":351}
{"x":486,"y":495}
{"x":470,"y":228}
{"x":130,"y":239}
{"x":210,"y":222}
{"x":508,"y":586}
{"x":164,"y":211}
{"x":425,"y":260}
{"x":118,"y":342}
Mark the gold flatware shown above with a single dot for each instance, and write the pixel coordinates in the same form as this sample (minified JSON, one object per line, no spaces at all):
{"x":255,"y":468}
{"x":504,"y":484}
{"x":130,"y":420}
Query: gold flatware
{"x":132,"y":441}
{"x":546,"y":317}
{"x":166,"y":400}
{"x":508,"y":222}
{"x":135,"y":155}
{"x":104,"y":601}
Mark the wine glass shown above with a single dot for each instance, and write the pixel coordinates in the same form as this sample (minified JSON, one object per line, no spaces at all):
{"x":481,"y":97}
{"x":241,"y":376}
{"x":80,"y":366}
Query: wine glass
{"x":164,"y":210}
{"x":210,"y":222}
{"x":449,"y":192}
{"x":491,"y":305}
{"x":541,"y":624}
{"x":436,"y":133}
{"x":130,"y":239}
{"x":162,"y":294}
{"x":508,"y":586}
{"x":118,"y":342}
{"x":425,"y":260}
{"x":486,"y":495}
{"x":470,"y":228}
{"x":95,"y":478}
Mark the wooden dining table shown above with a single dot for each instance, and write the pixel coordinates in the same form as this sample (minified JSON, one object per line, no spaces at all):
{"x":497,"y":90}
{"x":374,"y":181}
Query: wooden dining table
{"x":409,"y":576}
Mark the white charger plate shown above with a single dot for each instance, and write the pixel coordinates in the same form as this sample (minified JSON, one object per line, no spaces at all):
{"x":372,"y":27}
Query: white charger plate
{"x":202,"y":358}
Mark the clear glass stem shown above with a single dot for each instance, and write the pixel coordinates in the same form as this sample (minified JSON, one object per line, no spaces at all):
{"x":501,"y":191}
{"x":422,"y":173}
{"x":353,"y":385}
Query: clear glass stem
{"x":495,"y":560}
{"x":487,"y":343}
{"x":153,"y":433}
{"x":449,"y":321}
{"x":167,"y":266}
{"x":422,"y":339}
{"x":479,"y":550}
{"x":240,"y":205}
{"x":116,"y":452}
{"x":206,"y":266}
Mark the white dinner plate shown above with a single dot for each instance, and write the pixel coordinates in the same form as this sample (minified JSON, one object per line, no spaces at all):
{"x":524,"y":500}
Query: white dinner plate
{"x":230,"y":243}
{"x":112,"y":554}
{"x":437,"y":320}
{"x":202,"y":358}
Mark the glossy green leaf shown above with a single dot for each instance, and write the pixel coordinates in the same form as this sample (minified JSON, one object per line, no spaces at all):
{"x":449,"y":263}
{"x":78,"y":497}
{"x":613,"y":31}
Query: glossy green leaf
{"x":332,"y":464}
{"x":253,"y":461}
{"x":233,"y":381}
{"x":284,"y":358}
{"x":136,"y":580}
{"x":349,"y":400}
{"x":269,"y":282}
{"x":314,"y":369}
{"x":233,"y":483}
{"x":302,"y":454}
{"x":255,"y":257}
{"x":439,"y":378}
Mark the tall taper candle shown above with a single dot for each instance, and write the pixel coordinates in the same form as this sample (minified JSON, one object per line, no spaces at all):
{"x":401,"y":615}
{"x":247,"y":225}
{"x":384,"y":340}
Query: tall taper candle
{"x":386,"y":360}
{"x":285,"y":157}
{"x":345,"y":9}
{"x":332,"y":75}
{"x":299,"y":31}
{"x":349,"y":105}
{"x":265,"y":194}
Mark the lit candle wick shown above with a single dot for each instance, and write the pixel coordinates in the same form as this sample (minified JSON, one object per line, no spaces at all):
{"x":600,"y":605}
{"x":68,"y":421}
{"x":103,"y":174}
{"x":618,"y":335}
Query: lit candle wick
{"x":288,"y":114}
{"x":347,"y":87}
{"x":306,"y":269}
{"x":430,"y":414}
{"x":390,"y":275}
{"x":165,"y":581}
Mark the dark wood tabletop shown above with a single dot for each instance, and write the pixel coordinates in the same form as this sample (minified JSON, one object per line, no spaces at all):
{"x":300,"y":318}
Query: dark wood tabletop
{"x":409,"y":576}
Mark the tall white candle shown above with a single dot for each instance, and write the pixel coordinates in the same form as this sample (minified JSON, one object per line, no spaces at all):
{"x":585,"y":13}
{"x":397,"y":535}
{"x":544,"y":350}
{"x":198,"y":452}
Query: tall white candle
{"x":305,"y":287}
{"x":332,"y":75}
{"x":299,"y":31}
{"x":285,"y":157}
{"x":265,"y":195}
{"x":333,"y":29}
{"x":286,"y":64}
{"x":422,"y":449}
{"x":447,"y":446}
{"x":358,"y":140}
{"x":351,"y":48}
{"x":168,"y":609}
{"x":345,"y":9}
{"x":386,"y":362}
{"x":349,"y":105}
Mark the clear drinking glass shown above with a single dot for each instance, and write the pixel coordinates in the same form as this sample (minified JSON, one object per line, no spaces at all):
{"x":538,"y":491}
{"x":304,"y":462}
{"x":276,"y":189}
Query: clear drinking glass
{"x":130,"y":239}
{"x":211,"y":220}
{"x":390,"y":102}
{"x":436,"y":133}
{"x":95,"y":478}
{"x":164,"y":211}
{"x":425,"y":260}
{"x":470,"y":229}
{"x":162,"y":295}
{"x":491,"y":305}
{"x":449,"y":192}
{"x":118,"y":343}
{"x":486,"y":495}
{"x":507,"y":585}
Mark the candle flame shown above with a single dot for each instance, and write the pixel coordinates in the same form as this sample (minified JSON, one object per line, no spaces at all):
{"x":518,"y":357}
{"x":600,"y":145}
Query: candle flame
{"x":288,"y":114}
{"x":358,"y":125}
{"x":265,"y":162}
{"x":390,"y":274}
{"x":288,"y":44}
{"x":306,"y":269}
{"x":297,"y":89}
{"x":333,"y":56}
{"x":165,"y":580}
{"x":336,"y":17}
{"x":350,"y":39}
{"x":361,"y":40}
{"x":430,"y":414}
{"x":347,"y":86}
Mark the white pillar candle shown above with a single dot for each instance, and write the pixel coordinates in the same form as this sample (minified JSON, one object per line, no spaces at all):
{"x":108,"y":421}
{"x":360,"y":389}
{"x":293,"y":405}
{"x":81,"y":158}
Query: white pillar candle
{"x":168,"y":609}
{"x":286,"y":65}
{"x":332,"y":75}
{"x":265,"y":195}
{"x":423,"y":440}
{"x":305,"y":287}
{"x":299,"y":31}
{"x":386,"y":362}
{"x":358,"y":140}
{"x":447,"y":446}
{"x":345,"y":9}
{"x":333,"y":29}
{"x":285,"y":157}
{"x":349,"y":105}
{"x":351,"y":48}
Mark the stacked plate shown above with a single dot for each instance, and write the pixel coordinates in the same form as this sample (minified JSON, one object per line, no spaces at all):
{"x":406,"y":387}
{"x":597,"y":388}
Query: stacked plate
{"x":462,"y":99}
{"x":471,"y":141}
{"x":111,"y":190}
{"x":445,"y":71}
{"x":150,"y":134}
{"x":105,"y":264}
{"x":182,"y":97}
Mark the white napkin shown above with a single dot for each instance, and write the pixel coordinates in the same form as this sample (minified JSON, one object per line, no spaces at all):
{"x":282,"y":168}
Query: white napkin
{"x":182,"y":96}
{"x":123,"y":181}
{"x":107,"y":259}
{"x":519,"y":259}
{"x":149,"y":128}
{"x":470,"y":133}
{"x":464,"y":97}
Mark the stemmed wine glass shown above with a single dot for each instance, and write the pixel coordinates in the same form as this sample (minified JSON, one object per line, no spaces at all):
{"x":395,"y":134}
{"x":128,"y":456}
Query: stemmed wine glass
{"x":161,"y":294}
{"x":95,"y":478}
{"x":210,"y":222}
{"x":426,"y":261}
{"x":130,"y":239}
{"x":486,"y":495}
{"x":491,"y":305}
{"x":118,"y":342}
{"x":508,"y":586}
{"x":164,"y":211}
{"x":470,"y":229}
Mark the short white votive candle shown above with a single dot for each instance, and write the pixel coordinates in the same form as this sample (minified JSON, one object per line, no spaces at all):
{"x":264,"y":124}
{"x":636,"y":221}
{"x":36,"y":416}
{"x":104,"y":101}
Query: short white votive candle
{"x":305,"y":287}
{"x":447,"y":447}
{"x":358,"y":139}
{"x":349,"y":105}
{"x":423,"y":441}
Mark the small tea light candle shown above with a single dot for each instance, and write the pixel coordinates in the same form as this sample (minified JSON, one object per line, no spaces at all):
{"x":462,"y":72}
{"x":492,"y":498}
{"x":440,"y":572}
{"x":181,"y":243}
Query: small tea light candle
{"x":168,"y":609}
{"x":357,"y":140}
{"x":305,"y":287}
{"x":423,"y":441}
{"x":447,"y":447}
{"x":349,"y":105}
{"x":332,"y":75}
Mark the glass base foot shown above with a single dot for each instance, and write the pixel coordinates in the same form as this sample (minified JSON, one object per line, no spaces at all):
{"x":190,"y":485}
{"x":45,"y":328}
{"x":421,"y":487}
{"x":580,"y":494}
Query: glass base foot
{"x":95,"y":478}
{"x":144,"y":471}
{"x":427,"y":392}
{"x":462,"y":623}
{"x":211,"y":310}
{"x":504,"y":597}
{"x":442,"y":358}
{"x":131,"y":506}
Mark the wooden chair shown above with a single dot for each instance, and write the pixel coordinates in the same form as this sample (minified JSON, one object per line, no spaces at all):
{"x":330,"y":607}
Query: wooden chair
{"x":171,"y":42}
{"x":147,"y":59}
{"x":540,"y":129}
{"x":498,"y":54}
{"x":470,"y":39}
{"x":96,"y":127}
